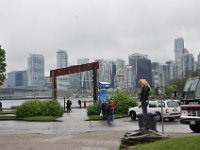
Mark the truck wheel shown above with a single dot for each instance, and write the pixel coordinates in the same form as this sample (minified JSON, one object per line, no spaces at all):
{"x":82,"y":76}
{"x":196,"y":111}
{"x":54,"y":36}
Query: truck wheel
{"x":195,"y":128}
{"x":133,"y":115}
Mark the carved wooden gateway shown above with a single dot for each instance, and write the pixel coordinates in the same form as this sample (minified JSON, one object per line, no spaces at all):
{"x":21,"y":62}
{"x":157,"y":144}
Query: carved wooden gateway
{"x":75,"y":69}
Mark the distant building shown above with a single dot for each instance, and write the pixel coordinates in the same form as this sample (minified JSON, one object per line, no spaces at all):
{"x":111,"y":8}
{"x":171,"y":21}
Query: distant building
{"x":141,"y":68}
{"x":85,"y":78}
{"x":62,"y":62}
{"x":179,"y":51}
{"x":165,"y":72}
{"x":120,"y":76}
{"x":105,"y":71}
{"x":35,"y":70}
{"x":198,"y":58}
{"x":129,"y":77}
{"x":155,"y":73}
{"x":172,"y":69}
{"x":188,"y":62}
{"x":48,"y":84}
{"x":17,"y":78}
{"x":62,"y":59}
{"x":197,"y":66}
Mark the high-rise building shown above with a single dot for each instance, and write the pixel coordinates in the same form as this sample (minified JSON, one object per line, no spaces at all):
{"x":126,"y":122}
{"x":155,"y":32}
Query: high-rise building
{"x":129,"y":77}
{"x":120,"y":74}
{"x":35,"y":70}
{"x":179,"y":51}
{"x":62,"y":62}
{"x":155,"y":74}
{"x":141,"y":68}
{"x":105,"y":70}
{"x":85,"y":78}
{"x":188,"y":62}
{"x":172,"y":69}
{"x":197,"y":64}
{"x":164,"y":71}
{"x":62,"y":59}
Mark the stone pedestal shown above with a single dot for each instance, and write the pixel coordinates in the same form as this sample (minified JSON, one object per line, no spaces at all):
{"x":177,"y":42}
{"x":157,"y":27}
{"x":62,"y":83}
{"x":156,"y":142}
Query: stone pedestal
{"x":132,"y":138}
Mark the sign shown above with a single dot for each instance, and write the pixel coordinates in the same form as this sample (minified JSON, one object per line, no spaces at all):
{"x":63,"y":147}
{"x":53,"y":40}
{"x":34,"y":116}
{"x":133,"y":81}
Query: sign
{"x":105,"y":85}
{"x":103,"y":95}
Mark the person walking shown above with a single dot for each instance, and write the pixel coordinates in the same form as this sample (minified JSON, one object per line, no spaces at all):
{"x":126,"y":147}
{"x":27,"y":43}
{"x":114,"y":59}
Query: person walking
{"x":84,"y":103}
{"x":0,"y":106}
{"x":144,"y":101}
{"x":79,"y":103}
{"x":69,"y":103}
{"x":103,"y":110}
{"x":112,"y":108}
{"x":108,"y":112}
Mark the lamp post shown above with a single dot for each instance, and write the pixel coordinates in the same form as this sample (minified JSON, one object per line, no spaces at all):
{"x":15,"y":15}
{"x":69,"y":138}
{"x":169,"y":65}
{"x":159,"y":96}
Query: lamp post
{"x":161,"y":96}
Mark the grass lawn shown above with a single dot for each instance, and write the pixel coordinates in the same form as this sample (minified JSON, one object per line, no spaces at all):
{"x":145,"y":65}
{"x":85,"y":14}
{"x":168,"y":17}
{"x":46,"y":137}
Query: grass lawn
{"x":8,"y":118}
{"x":35,"y":118}
{"x":181,"y":143}
{"x":8,"y":112}
{"x":40,"y":118}
{"x":98,"y":117}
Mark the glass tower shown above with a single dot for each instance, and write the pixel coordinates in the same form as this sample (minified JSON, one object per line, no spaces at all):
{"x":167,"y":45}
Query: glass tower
{"x":179,"y":50}
{"x":35,"y":70}
{"x":62,"y":62}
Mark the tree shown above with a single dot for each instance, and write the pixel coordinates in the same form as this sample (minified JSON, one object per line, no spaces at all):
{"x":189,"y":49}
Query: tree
{"x":169,"y":89}
{"x":154,"y":92}
{"x":179,"y":83}
{"x":2,"y":65}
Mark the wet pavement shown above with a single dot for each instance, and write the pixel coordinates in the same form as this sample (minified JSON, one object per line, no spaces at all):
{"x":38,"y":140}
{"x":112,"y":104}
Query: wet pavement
{"x":73,"y":131}
{"x":76,"y":121}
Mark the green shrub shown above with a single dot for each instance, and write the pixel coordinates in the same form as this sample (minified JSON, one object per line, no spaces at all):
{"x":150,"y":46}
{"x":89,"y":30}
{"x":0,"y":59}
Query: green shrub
{"x":93,"y":109}
{"x":39,"y":108}
{"x":123,"y":101}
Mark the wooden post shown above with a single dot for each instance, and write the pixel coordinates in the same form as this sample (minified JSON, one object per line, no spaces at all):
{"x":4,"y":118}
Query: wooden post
{"x":54,"y":86}
{"x":95,"y":90}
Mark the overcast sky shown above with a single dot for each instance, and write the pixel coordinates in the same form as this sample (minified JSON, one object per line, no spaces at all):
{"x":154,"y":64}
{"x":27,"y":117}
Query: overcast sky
{"x":108,"y":29}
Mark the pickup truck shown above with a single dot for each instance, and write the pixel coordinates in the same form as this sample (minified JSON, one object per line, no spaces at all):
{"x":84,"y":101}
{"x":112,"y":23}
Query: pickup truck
{"x":171,"y":110}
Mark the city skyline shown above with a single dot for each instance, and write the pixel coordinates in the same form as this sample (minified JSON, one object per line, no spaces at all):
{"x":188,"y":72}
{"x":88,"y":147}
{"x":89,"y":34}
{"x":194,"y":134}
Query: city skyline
{"x":115,"y":60}
{"x":96,"y":29}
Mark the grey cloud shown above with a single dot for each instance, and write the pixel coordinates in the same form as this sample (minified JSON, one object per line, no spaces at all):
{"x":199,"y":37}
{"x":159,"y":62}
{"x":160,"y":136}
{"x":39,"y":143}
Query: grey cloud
{"x":96,"y":29}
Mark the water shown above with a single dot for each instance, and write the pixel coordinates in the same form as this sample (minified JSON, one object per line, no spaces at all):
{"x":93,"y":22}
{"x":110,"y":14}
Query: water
{"x":13,"y":103}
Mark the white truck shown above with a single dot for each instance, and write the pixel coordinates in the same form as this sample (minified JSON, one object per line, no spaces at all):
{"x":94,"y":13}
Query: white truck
{"x":190,"y":108}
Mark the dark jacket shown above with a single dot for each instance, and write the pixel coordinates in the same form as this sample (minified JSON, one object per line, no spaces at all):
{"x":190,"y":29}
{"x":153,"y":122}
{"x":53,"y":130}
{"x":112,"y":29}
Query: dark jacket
{"x":108,"y":109}
{"x":144,"y":94}
{"x":69,"y":103}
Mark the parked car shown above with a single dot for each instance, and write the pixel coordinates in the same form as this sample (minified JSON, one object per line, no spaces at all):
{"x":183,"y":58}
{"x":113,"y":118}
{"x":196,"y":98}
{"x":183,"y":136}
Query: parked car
{"x":171,"y":110}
